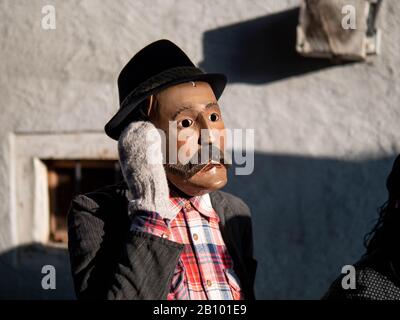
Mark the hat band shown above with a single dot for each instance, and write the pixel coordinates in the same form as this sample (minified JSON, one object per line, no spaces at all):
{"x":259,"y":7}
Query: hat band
{"x":158,"y":80}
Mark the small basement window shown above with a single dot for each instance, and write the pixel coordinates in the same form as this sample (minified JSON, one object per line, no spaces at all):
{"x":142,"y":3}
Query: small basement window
{"x":68,"y":178}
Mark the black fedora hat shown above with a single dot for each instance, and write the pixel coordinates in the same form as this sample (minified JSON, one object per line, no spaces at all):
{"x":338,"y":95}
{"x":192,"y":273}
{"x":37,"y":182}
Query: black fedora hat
{"x":155,"y":67}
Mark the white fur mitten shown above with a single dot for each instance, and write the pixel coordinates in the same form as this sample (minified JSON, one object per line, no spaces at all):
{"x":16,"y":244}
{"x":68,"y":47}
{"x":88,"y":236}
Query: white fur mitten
{"x":143,"y":170}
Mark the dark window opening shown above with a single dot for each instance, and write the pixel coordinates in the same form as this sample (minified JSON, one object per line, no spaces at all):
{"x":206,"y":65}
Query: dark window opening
{"x":68,"y":178}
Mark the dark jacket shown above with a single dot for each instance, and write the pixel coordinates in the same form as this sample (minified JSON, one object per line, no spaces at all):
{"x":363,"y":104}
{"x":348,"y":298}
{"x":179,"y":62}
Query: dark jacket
{"x":377,"y":278}
{"x":109,"y":261}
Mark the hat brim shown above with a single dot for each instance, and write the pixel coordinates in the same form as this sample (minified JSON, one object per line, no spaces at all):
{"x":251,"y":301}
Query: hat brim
{"x":114,"y":127}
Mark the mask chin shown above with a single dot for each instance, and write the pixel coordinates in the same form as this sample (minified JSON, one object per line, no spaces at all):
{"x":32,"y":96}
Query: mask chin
{"x":199,"y":183}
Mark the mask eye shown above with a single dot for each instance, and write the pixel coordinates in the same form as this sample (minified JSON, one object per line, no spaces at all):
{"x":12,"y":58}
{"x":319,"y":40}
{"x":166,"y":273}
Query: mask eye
{"x":185,"y":123}
{"x":214,"y":117}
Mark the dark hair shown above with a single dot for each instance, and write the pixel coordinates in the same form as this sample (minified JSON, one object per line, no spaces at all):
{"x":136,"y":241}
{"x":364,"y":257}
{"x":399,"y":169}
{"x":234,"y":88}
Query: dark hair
{"x":140,"y":112}
{"x":385,"y":234}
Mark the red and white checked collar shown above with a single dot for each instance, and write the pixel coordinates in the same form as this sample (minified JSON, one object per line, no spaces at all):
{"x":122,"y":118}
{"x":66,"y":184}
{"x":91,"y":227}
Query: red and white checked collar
{"x":201,"y":203}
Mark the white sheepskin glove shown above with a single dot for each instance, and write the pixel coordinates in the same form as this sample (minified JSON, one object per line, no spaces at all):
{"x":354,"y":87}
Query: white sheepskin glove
{"x":143,"y":170}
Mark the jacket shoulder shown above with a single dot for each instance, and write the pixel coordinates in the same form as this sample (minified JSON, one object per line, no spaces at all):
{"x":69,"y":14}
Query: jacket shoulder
{"x":234,"y":203}
{"x":105,"y":197}
{"x":92,"y":214}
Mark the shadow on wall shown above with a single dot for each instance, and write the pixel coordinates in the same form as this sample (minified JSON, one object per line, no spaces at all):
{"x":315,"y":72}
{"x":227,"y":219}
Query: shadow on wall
{"x":310,"y":216}
{"x":258,"y":51}
{"x":21,"y":273}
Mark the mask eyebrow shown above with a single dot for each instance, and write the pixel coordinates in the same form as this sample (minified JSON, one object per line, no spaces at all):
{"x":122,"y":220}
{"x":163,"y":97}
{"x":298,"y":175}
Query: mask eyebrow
{"x":181,"y":109}
{"x":211,"y":104}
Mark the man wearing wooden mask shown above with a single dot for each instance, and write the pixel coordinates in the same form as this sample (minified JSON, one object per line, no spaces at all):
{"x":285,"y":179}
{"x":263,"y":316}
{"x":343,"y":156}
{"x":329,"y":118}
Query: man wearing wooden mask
{"x":166,"y":232}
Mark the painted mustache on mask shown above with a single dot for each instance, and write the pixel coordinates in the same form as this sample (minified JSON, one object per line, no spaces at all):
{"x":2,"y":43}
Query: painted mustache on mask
{"x":195,"y":164}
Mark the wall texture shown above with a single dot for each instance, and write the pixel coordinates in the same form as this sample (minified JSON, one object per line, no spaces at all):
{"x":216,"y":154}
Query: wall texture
{"x":326,"y":135}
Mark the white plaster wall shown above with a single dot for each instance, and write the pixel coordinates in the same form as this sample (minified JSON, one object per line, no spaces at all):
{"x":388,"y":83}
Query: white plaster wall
{"x":64,"y":81}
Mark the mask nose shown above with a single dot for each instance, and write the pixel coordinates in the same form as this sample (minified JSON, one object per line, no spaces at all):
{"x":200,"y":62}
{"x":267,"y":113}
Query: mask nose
{"x":206,"y":135}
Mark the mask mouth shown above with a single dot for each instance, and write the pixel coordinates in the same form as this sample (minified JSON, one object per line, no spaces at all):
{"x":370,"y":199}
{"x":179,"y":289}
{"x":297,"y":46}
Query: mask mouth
{"x":215,"y":157}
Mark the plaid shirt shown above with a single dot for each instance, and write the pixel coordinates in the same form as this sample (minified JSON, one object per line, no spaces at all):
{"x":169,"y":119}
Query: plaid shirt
{"x":205,"y":268}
